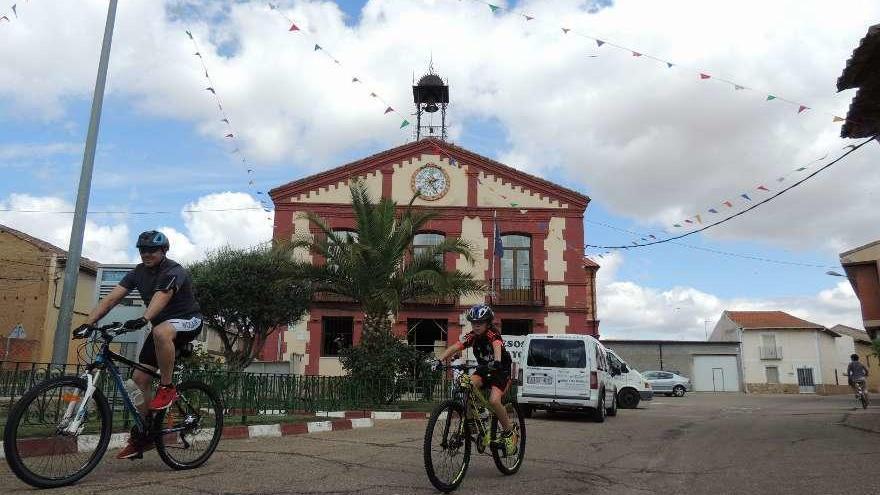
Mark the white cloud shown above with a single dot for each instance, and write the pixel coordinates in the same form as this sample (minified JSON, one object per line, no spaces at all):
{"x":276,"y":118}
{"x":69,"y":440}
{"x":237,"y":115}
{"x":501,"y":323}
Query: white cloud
{"x":18,"y":151}
{"x":104,"y":243}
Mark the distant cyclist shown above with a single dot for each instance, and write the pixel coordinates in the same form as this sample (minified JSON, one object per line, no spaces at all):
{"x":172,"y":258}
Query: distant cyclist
{"x":857,"y":374}
{"x":166,"y":288}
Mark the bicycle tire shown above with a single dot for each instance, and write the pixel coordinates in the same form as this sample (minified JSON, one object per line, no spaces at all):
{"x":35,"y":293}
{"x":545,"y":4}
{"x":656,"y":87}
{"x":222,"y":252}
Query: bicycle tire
{"x":167,"y":452}
{"x":864,"y":400}
{"x":496,"y":454}
{"x":15,"y":458}
{"x":444,"y":486}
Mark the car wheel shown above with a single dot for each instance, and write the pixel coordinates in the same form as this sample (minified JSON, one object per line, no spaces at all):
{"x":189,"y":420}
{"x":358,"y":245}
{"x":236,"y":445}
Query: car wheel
{"x":628,"y":399}
{"x":613,"y":410}
{"x":678,"y":391}
{"x":599,"y":412}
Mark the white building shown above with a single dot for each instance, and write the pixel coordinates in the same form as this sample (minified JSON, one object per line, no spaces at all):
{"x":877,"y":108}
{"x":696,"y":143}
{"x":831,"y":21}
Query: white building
{"x":785,"y":354}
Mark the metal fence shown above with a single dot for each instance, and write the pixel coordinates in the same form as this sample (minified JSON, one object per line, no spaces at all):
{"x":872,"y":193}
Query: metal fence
{"x":248,"y":395}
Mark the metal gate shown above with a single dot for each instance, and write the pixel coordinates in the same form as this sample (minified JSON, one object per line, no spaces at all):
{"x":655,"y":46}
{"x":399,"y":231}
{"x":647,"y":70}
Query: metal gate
{"x":806,"y":385}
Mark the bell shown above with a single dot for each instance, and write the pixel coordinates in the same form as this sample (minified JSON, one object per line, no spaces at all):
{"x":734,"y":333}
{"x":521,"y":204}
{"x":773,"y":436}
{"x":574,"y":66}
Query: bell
{"x":431,"y":107}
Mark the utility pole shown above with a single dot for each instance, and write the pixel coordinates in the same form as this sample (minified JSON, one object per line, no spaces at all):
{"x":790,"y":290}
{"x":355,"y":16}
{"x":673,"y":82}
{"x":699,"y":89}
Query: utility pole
{"x":706,"y":328}
{"x":74,"y":251}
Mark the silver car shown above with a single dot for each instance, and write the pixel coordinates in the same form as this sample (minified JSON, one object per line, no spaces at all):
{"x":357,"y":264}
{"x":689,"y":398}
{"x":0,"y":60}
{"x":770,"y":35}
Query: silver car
{"x":667,"y":383}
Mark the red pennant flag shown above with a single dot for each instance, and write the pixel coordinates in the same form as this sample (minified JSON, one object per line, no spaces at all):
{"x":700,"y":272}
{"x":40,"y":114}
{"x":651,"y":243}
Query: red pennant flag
{"x":637,"y":54}
{"x":293,"y":27}
{"x":802,"y":108}
{"x":704,"y":76}
{"x":762,"y":188}
{"x":229,"y":135}
{"x":728,"y":204}
{"x":389,"y":110}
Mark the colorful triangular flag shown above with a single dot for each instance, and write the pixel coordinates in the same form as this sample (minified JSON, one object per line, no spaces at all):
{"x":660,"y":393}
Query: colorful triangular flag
{"x":209,"y":88}
{"x":566,"y":30}
{"x":528,"y":17}
{"x":197,"y":54}
{"x":225,"y":120}
{"x":494,"y":8}
{"x":600,"y":42}
{"x":404,"y":123}
{"x":373,"y":95}
{"x":14,"y":11}
{"x":800,"y":169}
{"x":293,"y":27}
{"x":354,"y":80}
{"x":229,"y":135}
{"x":389,"y":110}
{"x":651,"y":236}
{"x":678,"y":225}
{"x":637,"y":54}
{"x":704,"y":76}
{"x":4,"y":18}
{"x":738,"y":87}
{"x":713,"y":210}
{"x":851,"y":146}
{"x":781,"y":179}
{"x":746,"y":196}
{"x":728,"y":204}
{"x":770,"y":97}
{"x":838,"y":119}
{"x":699,"y":220}
{"x":669,"y":65}
{"x":802,"y":108}
{"x":317,"y":47}
{"x":189,"y":34}
{"x":762,"y":188}
{"x":688,"y":221}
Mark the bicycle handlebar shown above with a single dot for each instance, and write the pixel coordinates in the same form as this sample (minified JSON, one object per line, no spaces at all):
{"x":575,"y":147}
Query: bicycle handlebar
{"x":110,"y":330}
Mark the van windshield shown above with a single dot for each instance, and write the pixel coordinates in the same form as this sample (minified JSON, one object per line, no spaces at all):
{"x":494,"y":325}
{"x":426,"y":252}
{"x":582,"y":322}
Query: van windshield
{"x":551,"y":353}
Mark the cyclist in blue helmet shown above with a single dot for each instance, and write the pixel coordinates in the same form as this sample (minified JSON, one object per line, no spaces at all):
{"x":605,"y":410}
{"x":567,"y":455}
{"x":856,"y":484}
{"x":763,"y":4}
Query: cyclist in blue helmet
{"x":167,"y":291}
{"x":494,"y":365}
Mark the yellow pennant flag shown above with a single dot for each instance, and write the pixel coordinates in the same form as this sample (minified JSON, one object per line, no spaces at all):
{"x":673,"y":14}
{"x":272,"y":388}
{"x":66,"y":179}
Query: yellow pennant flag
{"x":838,"y":119}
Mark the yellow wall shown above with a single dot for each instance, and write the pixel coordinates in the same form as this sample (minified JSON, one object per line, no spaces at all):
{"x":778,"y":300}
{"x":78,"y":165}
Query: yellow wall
{"x":340,"y":193}
{"x":491,"y":192}
{"x":556,"y":322}
{"x":472,"y":232}
{"x":330,"y":366}
{"x":301,"y":228}
{"x":401,"y":182}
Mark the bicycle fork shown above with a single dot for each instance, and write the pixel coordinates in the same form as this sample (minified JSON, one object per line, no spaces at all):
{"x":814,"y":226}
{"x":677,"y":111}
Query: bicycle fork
{"x":77,"y":406}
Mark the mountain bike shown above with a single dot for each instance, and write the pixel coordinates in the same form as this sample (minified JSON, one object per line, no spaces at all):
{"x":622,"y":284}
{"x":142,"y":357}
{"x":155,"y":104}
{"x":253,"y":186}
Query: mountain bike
{"x":60,"y":429}
{"x":467,"y":419}
{"x":862,"y":393}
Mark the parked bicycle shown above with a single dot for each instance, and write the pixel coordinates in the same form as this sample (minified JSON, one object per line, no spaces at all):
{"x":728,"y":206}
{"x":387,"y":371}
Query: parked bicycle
{"x":457,"y":423}
{"x":61,"y":428}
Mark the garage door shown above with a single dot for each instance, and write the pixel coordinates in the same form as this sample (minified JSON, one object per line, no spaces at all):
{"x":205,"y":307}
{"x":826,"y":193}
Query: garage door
{"x":715,"y":374}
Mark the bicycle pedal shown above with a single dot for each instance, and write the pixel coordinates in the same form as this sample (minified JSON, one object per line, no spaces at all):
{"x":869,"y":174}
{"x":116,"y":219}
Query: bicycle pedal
{"x":139,"y":455}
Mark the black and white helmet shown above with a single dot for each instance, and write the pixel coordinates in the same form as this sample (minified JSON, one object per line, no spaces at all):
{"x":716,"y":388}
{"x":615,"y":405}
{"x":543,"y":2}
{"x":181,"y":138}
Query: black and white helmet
{"x":481,"y":313}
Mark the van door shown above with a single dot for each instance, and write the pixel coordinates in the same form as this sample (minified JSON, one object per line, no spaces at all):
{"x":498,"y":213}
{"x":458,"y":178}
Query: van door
{"x":539,"y":375}
{"x":572,"y":375}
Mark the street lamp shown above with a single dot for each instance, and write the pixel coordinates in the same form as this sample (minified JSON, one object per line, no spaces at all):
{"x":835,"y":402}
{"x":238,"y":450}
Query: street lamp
{"x":834,"y":274}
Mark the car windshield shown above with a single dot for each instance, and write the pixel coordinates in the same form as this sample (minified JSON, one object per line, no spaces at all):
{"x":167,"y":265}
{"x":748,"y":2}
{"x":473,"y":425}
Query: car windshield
{"x":560,"y":353}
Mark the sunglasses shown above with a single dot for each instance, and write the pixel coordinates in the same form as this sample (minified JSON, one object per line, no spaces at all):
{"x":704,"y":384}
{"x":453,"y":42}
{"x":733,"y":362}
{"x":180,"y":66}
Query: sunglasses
{"x":149,"y":250}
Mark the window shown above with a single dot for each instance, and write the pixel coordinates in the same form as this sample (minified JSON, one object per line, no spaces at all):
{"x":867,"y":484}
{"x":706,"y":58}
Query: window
{"x":422,"y":243}
{"x":425,"y":334}
{"x":562,"y":353}
{"x":337,"y":334}
{"x":516,"y":327}
{"x":664,"y":376}
{"x":772,"y":374}
{"x":516,"y":263}
{"x":601,"y":363}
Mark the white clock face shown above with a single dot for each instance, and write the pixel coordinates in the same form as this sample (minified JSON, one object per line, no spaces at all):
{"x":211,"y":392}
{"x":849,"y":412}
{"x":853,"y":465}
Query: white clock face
{"x":431,"y":181}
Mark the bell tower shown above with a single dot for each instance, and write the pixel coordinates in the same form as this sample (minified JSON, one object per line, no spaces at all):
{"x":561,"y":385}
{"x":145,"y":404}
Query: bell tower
{"x":430,"y":95}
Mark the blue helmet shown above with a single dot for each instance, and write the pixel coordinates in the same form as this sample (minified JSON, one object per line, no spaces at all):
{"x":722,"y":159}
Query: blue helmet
{"x":153,"y":239}
{"x":481,"y":313}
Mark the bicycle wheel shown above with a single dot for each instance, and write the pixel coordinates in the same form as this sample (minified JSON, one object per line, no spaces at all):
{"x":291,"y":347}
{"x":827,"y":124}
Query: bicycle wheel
{"x":199,"y":412}
{"x":864,"y":399}
{"x":447,"y":448}
{"x":39,"y":450}
{"x":509,"y":464}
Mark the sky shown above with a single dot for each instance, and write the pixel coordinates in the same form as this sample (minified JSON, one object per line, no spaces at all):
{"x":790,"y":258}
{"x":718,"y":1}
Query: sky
{"x":651,"y":145}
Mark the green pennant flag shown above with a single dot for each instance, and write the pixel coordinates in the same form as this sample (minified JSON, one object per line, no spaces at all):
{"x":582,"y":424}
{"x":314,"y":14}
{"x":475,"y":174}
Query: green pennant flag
{"x":494,"y":8}
{"x":770,"y":97}
{"x":404,"y":123}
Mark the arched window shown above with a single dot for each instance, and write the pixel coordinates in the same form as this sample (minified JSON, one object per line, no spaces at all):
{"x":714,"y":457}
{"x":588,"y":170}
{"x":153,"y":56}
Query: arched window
{"x":516,"y":263}
{"x":423,"y":242}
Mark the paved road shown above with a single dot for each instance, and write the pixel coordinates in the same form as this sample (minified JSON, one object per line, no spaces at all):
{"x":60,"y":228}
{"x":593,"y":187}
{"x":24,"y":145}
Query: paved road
{"x":700,"y":444}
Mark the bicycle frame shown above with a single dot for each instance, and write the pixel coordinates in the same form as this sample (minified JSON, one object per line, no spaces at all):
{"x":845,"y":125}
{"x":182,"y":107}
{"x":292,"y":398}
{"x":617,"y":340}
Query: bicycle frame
{"x":471,"y":409}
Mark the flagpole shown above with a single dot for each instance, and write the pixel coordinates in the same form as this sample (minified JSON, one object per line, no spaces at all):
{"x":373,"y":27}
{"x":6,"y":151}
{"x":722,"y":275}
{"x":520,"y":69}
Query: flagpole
{"x":494,"y":254}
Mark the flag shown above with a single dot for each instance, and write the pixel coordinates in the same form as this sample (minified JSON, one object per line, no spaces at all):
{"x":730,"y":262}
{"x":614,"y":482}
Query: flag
{"x":728,"y":204}
{"x":838,"y":119}
{"x":497,"y":245}
{"x":197,"y":54}
{"x":738,"y":87}
{"x":780,"y":179}
{"x":762,"y":188}
{"x":713,"y":210}
{"x":317,"y":47}
{"x":389,"y":110}
{"x":293,"y":27}
{"x":229,"y":135}
{"x":373,"y":95}
{"x":528,"y":17}
{"x":635,"y":243}
{"x":678,"y":225}
{"x":651,"y":236}
{"x":699,"y":220}
{"x":225,"y":120}
{"x":494,"y":8}
{"x":272,"y":6}
{"x":566,"y":30}
{"x":802,"y":108}
{"x":354,"y":80}
{"x":210,"y":89}
{"x":15,"y":11}
{"x":637,"y":54}
{"x":669,"y":64}
{"x":404,"y":123}
{"x":688,"y":221}
{"x":852,"y":146}
{"x":704,"y":76}
{"x":189,"y":34}
{"x":770,"y":97}
{"x":746,"y":196}
{"x":600,"y":42}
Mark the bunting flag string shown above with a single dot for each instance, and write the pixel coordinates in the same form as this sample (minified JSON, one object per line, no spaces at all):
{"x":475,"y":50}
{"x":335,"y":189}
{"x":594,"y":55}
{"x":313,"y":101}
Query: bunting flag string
{"x":230,"y":133}
{"x":6,"y":17}
{"x":355,"y":79}
{"x":768,"y":96}
{"x":761,"y":187}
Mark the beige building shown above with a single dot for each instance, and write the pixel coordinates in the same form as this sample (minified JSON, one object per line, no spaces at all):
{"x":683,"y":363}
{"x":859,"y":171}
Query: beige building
{"x":31,"y":282}
{"x":858,"y":342}
{"x":784,"y":354}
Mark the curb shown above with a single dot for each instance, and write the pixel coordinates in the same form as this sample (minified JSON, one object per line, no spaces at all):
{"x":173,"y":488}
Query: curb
{"x":347,"y":420}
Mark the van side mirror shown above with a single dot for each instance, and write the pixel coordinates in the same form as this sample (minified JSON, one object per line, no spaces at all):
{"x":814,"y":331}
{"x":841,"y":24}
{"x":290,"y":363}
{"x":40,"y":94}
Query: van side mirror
{"x":624,"y":368}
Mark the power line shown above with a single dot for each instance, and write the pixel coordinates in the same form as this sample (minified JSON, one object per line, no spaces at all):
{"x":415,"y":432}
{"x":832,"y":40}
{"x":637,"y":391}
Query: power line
{"x":63,"y":212}
{"x":723,"y":220}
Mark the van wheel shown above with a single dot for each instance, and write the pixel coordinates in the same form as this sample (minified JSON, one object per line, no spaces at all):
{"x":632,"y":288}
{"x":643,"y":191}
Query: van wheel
{"x":613,"y":410}
{"x":599,"y":412}
{"x":526,"y":411}
{"x":628,"y":399}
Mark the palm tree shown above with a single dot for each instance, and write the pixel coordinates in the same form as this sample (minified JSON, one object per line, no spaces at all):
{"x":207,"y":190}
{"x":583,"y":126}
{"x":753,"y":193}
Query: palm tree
{"x":376,"y":266}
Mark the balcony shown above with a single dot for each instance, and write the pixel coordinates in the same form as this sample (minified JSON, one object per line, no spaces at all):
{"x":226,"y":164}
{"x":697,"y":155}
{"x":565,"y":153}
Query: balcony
{"x":330,"y":297}
{"x":770,"y":352}
{"x":523,"y":293}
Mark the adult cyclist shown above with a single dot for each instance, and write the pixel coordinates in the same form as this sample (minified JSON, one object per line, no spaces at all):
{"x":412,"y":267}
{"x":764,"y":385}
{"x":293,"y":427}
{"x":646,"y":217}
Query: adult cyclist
{"x":857,"y":374}
{"x":172,"y":309}
{"x":493,"y":368}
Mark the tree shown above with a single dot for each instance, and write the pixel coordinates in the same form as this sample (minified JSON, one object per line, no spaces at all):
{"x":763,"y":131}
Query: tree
{"x":246,"y":295}
{"x":376,"y":267}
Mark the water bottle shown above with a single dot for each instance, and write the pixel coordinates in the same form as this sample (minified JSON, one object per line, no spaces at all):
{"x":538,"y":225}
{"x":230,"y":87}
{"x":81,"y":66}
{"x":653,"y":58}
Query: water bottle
{"x":134,"y":393}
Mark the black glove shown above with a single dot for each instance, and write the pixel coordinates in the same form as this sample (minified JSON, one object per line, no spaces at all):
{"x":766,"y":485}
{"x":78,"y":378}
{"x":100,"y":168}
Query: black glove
{"x":494,"y":366}
{"x":83,"y":331}
{"x":135,"y":324}
{"x":436,"y":365}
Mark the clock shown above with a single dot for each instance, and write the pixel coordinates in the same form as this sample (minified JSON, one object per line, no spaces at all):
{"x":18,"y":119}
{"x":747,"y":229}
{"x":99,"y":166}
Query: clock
{"x":431,"y":181}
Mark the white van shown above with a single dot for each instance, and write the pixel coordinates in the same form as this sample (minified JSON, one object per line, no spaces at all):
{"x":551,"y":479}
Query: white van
{"x":632,"y":387}
{"x":566,"y":372}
